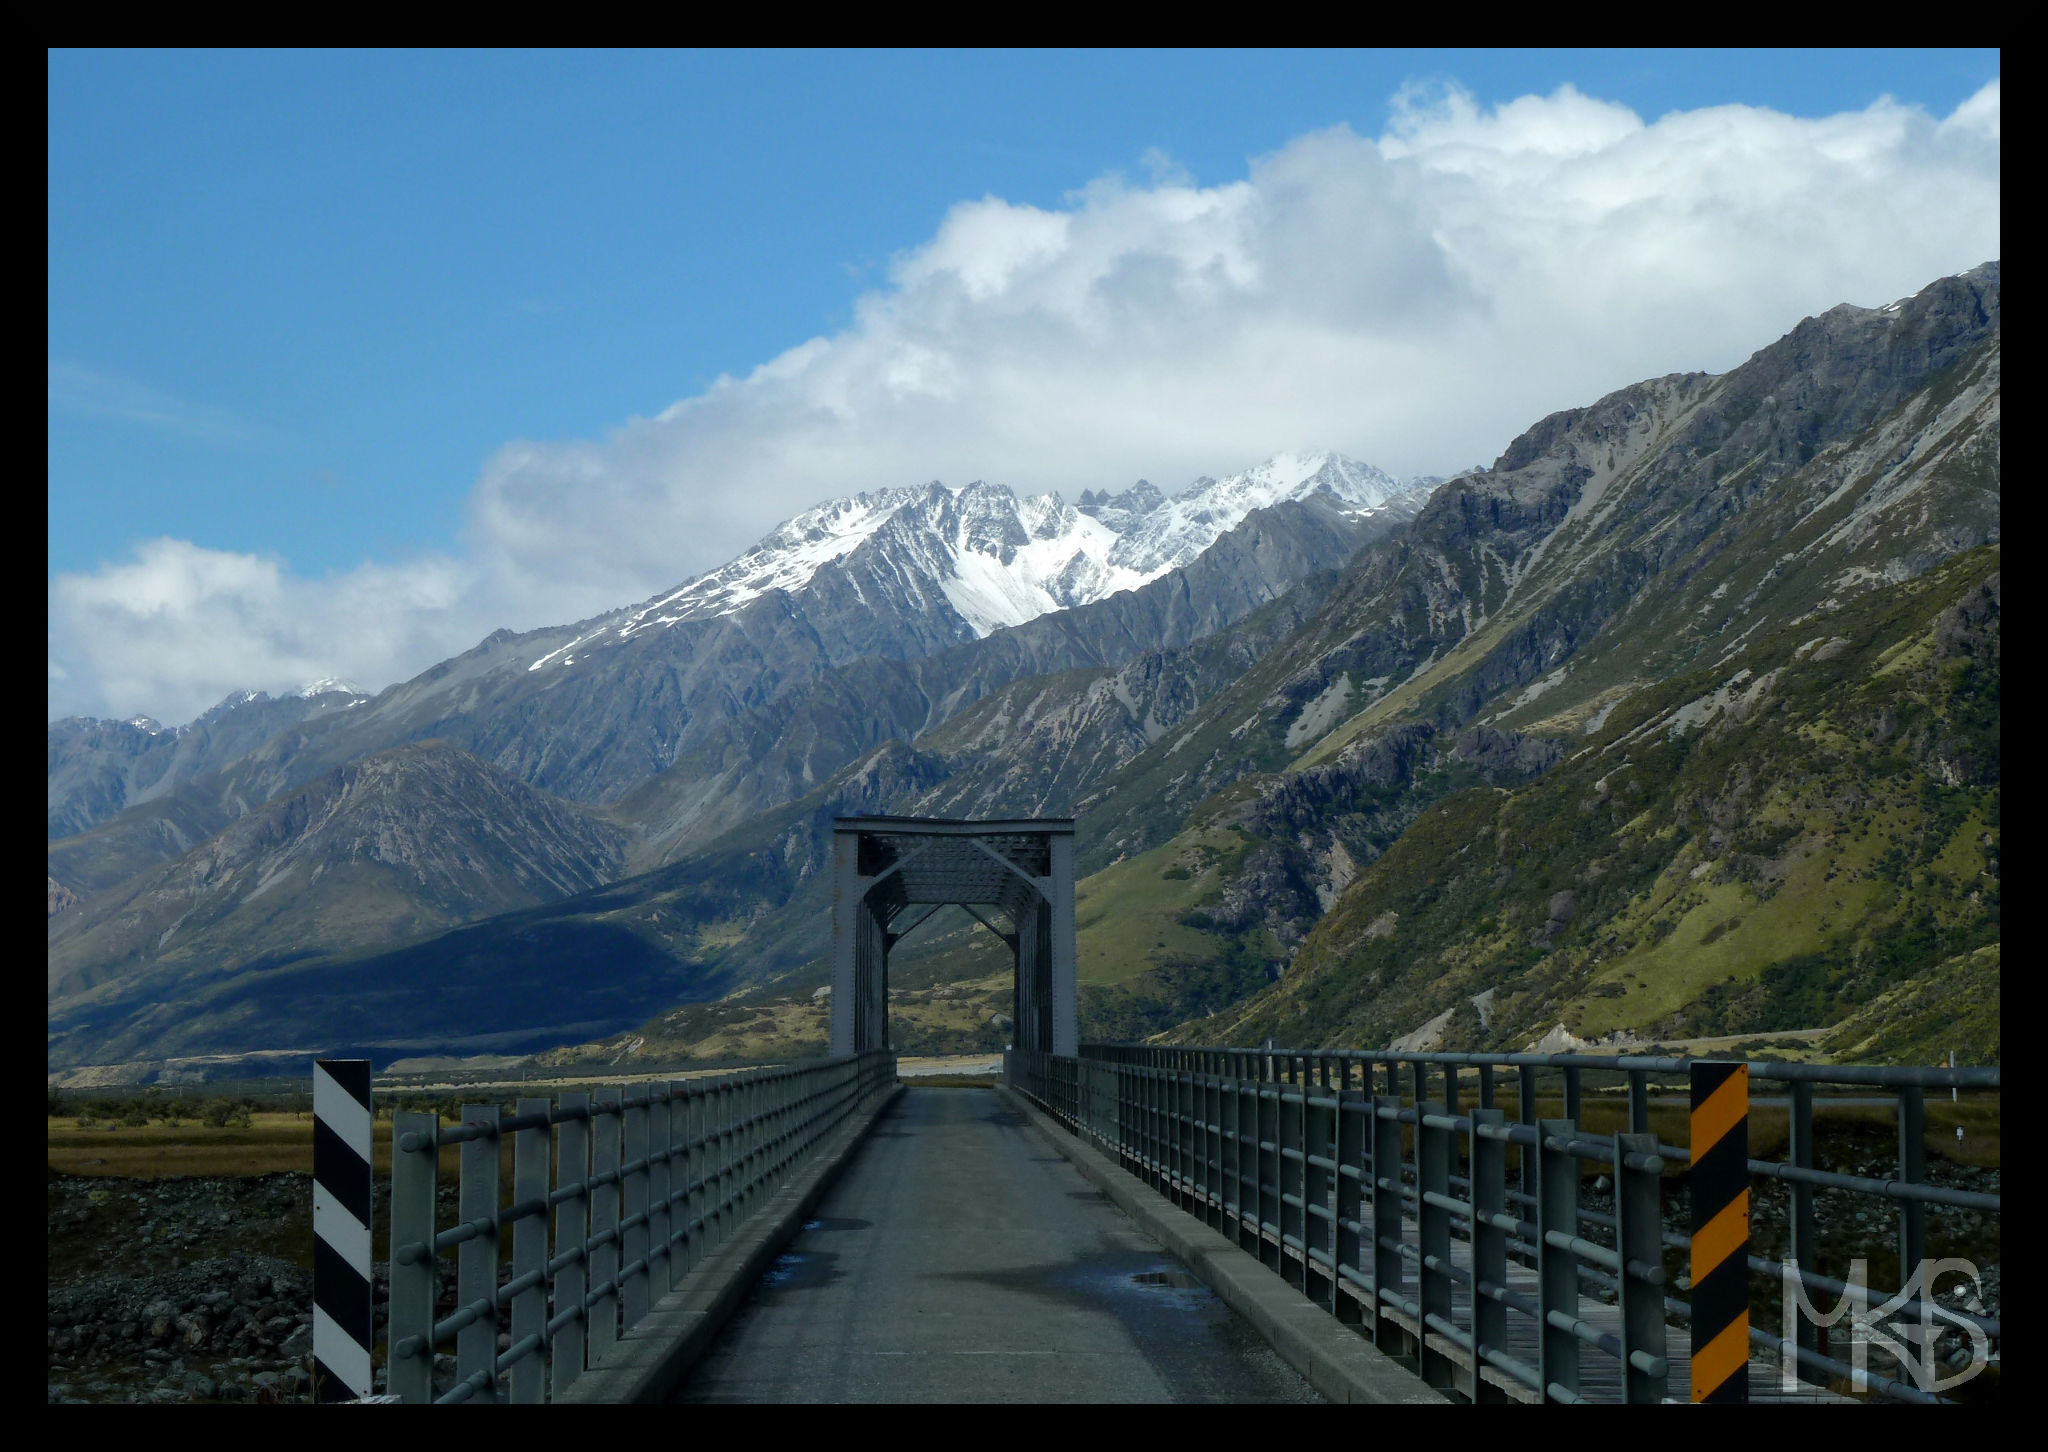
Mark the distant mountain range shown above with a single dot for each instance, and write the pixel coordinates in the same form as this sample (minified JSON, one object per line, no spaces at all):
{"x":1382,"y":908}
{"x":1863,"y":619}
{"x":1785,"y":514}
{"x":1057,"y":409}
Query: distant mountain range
{"x":99,"y":767}
{"x":661,"y":724}
{"x":1674,"y":718}
{"x":590,"y":711}
{"x":978,"y":559}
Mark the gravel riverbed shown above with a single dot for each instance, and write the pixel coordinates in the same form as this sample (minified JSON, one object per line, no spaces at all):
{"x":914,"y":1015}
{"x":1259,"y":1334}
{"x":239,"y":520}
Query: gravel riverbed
{"x":183,"y":1290}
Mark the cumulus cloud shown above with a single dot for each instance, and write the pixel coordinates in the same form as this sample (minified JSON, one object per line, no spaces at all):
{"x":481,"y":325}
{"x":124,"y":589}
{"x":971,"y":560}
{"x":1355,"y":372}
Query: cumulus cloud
{"x":1414,"y":299}
{"x":176,"y":627}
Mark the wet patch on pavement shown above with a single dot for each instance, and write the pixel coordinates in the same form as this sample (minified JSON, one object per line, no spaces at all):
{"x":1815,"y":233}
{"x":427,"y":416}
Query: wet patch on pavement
{"x":1174,"y":1279}
{"x":800,"y":1271}
{"x":1182,"y":1327}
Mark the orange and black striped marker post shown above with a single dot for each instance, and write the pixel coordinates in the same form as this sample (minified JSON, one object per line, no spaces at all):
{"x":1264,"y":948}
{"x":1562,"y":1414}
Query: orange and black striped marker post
{"x":1720,"y":1232}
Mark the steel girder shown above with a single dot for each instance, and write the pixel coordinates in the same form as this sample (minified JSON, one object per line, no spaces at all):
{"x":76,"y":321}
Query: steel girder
{"x":1023,"y":869}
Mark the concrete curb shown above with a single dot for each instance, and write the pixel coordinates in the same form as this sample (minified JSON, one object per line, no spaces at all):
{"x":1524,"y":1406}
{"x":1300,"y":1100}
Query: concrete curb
{"x":1334,"y":1359}
{"x":652,"y":1359}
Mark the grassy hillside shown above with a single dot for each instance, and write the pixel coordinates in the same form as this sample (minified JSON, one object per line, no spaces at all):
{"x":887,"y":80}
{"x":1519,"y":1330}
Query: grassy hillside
{"x":1807,"y":835}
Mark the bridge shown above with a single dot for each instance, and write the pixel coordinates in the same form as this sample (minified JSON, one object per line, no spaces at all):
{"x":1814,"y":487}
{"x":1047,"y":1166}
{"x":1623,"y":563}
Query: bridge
{"x":1015,"y":877}
{"x":1118,"y":1223}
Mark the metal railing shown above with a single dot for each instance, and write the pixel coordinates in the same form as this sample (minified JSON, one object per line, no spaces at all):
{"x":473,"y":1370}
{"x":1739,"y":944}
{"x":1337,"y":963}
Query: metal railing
{"x":1352,"y":1183}
{"x":646,"y":1183}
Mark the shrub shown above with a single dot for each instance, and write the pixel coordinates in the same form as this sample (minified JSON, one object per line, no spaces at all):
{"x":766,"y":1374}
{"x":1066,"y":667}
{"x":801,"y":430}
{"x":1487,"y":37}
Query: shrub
{"x":223,"y":1113}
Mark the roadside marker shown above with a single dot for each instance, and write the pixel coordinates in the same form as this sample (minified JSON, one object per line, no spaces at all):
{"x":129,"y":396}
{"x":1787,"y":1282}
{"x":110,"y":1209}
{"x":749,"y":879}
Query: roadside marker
{"x":1720,"y":1232}
{"x":341,"y":1229}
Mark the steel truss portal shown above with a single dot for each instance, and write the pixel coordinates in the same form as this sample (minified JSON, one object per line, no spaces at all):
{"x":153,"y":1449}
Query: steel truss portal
{"x":1017,"y":877}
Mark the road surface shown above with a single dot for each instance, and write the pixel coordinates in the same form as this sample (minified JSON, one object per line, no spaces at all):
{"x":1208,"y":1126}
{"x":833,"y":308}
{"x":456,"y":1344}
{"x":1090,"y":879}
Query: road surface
{"x":959,"y":1259}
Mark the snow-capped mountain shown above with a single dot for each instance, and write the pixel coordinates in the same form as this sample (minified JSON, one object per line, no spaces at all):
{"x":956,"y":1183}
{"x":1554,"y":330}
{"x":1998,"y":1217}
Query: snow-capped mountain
{"x":1175,"y":530}
{"x":998,"y":560}
{"x":900,"y":575}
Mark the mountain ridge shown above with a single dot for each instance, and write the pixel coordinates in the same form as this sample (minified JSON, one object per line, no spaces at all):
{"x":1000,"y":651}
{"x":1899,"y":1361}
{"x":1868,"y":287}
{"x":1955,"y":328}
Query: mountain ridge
{"x":738,"y":749}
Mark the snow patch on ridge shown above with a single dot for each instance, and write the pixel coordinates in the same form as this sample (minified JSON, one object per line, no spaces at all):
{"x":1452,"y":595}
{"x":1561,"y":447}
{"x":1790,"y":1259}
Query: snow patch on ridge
{"x":1181,"y":528}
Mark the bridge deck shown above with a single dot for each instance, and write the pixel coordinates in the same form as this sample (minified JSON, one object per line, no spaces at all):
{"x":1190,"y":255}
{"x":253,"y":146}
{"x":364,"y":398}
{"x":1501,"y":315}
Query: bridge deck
{"x":960,"y":1259}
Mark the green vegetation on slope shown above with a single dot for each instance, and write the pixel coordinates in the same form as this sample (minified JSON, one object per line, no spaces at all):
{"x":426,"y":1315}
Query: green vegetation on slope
{"x":1775,"y":845}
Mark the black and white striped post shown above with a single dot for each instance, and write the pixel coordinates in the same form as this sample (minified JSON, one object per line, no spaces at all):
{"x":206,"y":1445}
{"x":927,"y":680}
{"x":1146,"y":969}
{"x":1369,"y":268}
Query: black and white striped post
{"x":341,"y":1229}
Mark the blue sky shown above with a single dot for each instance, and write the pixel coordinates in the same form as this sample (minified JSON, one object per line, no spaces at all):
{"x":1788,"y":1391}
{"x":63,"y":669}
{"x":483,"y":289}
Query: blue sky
{"x":303,"y":307}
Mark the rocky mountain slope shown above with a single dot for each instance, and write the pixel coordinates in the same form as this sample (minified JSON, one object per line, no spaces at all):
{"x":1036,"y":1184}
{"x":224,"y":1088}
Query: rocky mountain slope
{"x":1619,"y":522}
{"x":1779,"y":842}
{"x":392,"y":847}
{"x":99,"y":767}
{"x":1612,"y":551}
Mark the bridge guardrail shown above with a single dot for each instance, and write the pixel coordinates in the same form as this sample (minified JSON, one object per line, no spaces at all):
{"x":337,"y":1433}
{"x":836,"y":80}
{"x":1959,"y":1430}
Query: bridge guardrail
{"x":1299,"y":1155}
{"x":646,"y":1184}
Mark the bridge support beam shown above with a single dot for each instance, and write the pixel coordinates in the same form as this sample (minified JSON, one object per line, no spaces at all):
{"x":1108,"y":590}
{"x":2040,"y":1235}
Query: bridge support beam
{"x":1058,"y":895}
{"x":860,"y":957}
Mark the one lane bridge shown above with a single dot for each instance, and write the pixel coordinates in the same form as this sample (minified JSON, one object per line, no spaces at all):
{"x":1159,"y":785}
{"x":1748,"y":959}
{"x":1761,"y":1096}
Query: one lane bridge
{"x":960,"y":1259}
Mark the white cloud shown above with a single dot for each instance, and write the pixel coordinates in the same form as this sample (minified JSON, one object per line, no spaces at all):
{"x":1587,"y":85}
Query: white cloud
{"x":176,"y":627}
{"x":1415,"y":300}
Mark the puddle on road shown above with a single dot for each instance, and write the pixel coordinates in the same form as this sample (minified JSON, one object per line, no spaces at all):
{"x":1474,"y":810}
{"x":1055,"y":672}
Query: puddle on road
{"x":800,"y":1271}
{"x":1178,"y":1280}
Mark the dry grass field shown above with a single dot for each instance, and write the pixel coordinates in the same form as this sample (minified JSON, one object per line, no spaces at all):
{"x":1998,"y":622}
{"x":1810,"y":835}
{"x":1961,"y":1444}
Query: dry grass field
{"x":273,"y":1143}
